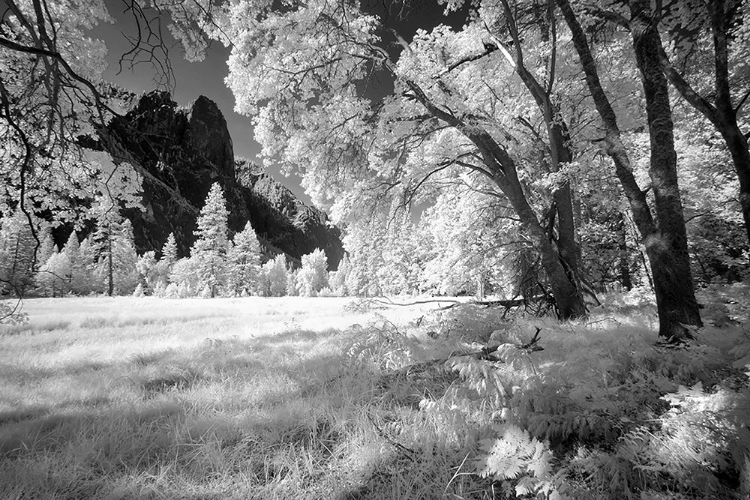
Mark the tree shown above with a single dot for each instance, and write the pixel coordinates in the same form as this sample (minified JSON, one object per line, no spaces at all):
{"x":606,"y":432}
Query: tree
{"x":210,"y":248}
{"x":313,"y":275}
{"x":52,"y":98}
{"x":664,"y":238}
{"x":337,"y":279}
{"x":715,"y":33}
{"x":116,"y":256}
{"x":442,"y":114}
{"x":185,"y":274}
{"x":83,"y":273}
{"x":18,"y":249}
{"x":243,"y":262}
{"x":148,"y":272}
{"x":169,"y":251}
{"x":274,"y":277}
{"x":53,"y":276}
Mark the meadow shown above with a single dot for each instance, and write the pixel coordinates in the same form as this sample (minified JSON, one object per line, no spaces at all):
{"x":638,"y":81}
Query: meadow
{"x":120,"y":398}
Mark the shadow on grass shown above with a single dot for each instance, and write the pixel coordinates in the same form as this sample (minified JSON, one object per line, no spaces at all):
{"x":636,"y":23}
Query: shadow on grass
{"x":300,"y":415}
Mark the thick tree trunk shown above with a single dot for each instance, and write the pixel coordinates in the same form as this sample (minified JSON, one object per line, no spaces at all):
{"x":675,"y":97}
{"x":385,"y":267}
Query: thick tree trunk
{"x":673,"y":283}
{"x":666,"y":246}
{"x":499,"y":165}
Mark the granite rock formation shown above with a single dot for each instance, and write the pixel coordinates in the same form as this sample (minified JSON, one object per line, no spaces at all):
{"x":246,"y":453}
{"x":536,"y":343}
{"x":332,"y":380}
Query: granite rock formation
{"x":180,"y":153}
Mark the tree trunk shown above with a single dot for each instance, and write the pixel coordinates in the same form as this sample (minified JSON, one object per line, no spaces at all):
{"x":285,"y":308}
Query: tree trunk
{"x":666,"y":246}
{"x":568,"y":297}
{"x":722,"y":114}
{"x":622,"y":246}
{"x":673,"y":282}
{"x":499,"y":165}
{"x":110,"y":266}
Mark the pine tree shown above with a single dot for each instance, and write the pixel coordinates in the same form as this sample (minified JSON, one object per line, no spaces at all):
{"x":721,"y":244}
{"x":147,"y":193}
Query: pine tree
{"x":52,"y":278}
{"x":210,"y":248}
{"x":243,"y":262}
{"x":17,"y":262}
{"x":116,"y":262}
{"x":73,"y":250}
{"x":83,"y":274}
{"x":169,"y":251}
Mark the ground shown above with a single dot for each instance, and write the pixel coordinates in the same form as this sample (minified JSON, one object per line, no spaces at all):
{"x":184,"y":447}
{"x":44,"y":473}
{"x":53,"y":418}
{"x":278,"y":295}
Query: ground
{"x":342,"y":398}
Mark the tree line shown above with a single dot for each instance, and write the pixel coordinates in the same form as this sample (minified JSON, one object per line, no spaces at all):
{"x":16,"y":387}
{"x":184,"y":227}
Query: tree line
{"x":565,"y":124}
{"x":106,"y":262}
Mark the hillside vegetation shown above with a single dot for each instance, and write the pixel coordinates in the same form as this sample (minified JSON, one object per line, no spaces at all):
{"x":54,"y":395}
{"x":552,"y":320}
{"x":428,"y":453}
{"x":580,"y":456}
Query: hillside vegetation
{"x":339,"y":398}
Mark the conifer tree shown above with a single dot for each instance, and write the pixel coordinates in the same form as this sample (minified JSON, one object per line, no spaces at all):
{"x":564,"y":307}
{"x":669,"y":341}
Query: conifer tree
{"x":52,"y":278}
{"x":243,"y":262}
{"x":169,"y":251}
{"x":17,"y":250}
{"x":210,"y":249}
{"x":83,"y":278}
{"x":116,"y":262}
{"x":73,"y":250}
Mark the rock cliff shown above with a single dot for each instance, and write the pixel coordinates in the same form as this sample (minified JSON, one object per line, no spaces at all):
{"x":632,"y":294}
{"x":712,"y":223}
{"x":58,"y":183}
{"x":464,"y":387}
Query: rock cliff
{"x":180,"y":153}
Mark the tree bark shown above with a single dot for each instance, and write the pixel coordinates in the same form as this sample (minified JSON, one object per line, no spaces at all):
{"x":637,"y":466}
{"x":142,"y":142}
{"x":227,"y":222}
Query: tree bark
{"x":110,"y":264}
{"x":675,"y":282}
{"x":666,"y":245}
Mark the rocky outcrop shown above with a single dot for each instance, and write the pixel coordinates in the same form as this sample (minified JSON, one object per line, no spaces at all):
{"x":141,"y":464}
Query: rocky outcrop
{"x":180,"y":153}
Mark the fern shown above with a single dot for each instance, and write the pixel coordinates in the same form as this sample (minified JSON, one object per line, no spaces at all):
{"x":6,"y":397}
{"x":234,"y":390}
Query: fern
{"x":514,"y":455}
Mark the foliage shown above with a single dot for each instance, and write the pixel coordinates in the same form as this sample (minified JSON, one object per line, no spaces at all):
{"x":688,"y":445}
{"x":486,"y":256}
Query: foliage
{"x":274,"y":277}
{"x":210,"y":248}
{"x":10,"y":314}
{"x":243,"y":262}
{"x":313,"y":276}
{"x":513,"y":454}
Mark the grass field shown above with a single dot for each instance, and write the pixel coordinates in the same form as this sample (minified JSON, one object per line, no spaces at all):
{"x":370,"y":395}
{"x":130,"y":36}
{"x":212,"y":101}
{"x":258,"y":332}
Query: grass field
{"x":149,"y":398}
{"x":264,"y":398}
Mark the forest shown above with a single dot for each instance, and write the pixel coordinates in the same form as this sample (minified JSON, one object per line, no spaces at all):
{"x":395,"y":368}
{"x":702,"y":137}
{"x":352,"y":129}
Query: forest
{"x":554,"y":193}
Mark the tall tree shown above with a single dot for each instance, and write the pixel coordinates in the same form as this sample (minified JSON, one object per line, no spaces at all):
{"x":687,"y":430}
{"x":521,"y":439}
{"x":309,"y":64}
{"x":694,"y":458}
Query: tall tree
{"x":169,"y":251}
{"x":664,"y":238}
{"x":313,"y":276}
{"x":722,"y":26}
{"x":243,"y":262}
{"x":210,"y":248}
{"x":18,"y":249}
{"x":116,"y":256}
{"x":443,"y":113}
